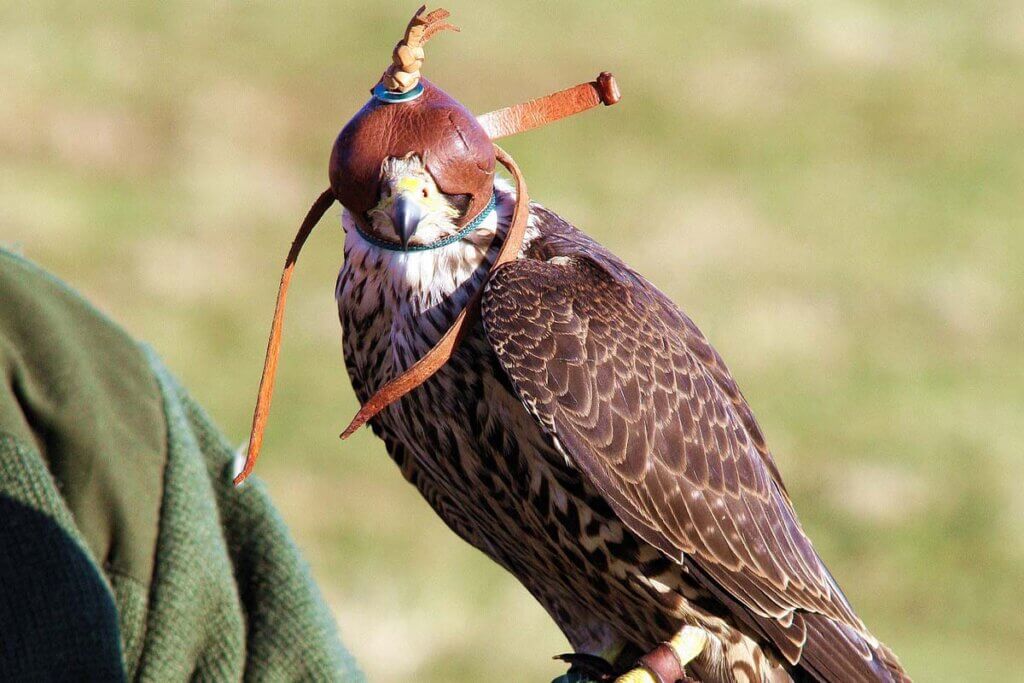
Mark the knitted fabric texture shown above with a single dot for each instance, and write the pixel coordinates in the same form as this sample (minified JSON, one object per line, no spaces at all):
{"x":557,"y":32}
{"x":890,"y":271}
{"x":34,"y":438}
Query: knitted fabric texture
{"x":125,"y":552}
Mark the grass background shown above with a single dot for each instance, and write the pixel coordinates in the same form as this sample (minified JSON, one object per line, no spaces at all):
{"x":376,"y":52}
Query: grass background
{"x":831,"y":189}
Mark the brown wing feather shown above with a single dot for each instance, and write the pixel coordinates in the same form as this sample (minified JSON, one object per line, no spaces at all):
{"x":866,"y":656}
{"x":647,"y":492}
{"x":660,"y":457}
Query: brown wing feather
{"x":643,"y":405}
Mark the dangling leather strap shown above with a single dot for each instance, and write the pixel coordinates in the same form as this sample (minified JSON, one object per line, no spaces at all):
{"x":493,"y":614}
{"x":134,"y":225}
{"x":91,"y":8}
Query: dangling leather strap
{"x":544,"y":110}
{"x":442,"y":352}
{"x":259,"y":417}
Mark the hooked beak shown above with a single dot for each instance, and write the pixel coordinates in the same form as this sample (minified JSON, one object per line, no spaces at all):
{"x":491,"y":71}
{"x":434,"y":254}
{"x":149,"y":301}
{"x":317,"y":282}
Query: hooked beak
{"x":406,"y":217}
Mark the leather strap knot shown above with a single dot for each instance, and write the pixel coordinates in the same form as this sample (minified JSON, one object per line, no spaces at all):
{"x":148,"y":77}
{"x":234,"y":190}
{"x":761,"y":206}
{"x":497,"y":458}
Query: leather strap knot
{"x":407,"y":58}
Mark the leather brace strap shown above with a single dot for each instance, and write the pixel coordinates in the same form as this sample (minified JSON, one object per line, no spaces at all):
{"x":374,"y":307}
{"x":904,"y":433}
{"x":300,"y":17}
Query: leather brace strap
{"x":441,"y":353}
{"x":259,"y":417}
{"x":664,"y":665}
{"x":544,"y":110}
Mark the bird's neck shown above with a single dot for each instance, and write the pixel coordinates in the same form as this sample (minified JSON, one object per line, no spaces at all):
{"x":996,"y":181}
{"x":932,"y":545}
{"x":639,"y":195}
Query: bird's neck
{"x":424,"y":290}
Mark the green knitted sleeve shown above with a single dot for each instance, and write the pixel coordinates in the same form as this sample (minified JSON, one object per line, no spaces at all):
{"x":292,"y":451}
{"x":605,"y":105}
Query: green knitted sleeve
{"x":120,"y":522}
{"x":287,"y":625}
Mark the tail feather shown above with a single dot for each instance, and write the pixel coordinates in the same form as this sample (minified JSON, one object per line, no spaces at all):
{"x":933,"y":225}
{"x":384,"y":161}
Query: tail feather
{"x":892,"y":663}
{"x":838,"y":653}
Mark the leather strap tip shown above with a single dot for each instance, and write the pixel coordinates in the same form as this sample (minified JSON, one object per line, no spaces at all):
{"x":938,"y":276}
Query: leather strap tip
{"x":241,"y":475}
{"x":365,"y":414}
{"x":608,"y":88}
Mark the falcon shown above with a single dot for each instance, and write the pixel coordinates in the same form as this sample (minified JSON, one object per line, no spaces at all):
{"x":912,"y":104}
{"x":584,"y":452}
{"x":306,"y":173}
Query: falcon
{"x":587,"y":437}
{"x":559,"y":412}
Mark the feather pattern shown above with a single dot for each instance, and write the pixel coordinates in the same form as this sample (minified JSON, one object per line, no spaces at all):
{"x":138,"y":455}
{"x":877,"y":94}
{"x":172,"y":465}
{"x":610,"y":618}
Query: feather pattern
{"x":647,"y":409}
{"x":587,"y":438}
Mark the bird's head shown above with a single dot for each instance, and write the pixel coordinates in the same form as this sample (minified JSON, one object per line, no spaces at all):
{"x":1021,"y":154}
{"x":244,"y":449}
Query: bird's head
{"x":411,"y":211}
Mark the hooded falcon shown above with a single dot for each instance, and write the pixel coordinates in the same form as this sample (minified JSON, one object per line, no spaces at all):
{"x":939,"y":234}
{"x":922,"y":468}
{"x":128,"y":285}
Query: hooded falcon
{"x":582,"y":432}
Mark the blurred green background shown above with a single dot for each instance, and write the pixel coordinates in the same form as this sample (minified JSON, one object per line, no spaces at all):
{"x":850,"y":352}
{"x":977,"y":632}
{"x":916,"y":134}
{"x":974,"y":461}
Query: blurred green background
{"x":832,"y":190}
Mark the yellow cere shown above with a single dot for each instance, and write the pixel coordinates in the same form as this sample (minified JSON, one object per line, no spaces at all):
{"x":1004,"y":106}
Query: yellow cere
{"x":433,"y":202}
{"x":409,"y":184}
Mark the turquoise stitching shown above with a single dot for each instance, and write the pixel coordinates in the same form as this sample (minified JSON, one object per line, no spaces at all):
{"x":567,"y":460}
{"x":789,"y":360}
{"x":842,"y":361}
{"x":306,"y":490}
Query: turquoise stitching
{"x":470,"y":227}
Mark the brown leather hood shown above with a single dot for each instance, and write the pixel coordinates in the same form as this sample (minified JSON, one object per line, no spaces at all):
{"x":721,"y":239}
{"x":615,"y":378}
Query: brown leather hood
{"x":455,"y":148}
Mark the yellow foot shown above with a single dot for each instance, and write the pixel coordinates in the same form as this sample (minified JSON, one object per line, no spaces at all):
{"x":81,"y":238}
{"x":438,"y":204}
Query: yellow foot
{"x":685,"y":645}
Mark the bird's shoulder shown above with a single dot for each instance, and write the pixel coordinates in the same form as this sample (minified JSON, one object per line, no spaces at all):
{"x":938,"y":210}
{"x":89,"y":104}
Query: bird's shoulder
{"x":563,"y":257}
{"x":639,"y":400}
